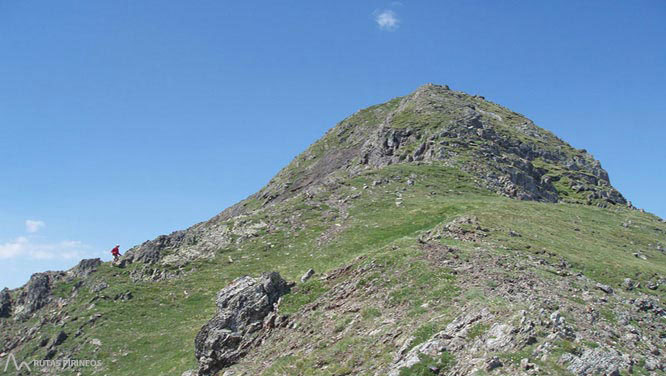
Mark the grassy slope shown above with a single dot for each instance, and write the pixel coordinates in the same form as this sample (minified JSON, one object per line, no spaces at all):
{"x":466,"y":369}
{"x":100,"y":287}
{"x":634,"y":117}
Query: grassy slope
{"x":154,"y":331}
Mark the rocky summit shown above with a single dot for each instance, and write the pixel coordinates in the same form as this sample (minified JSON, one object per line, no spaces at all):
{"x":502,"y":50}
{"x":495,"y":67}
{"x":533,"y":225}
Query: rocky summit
{"x":438,"y":233}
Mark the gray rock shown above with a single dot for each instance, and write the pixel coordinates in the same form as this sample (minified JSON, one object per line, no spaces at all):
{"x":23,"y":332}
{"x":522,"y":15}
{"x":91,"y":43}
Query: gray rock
{"x":99,"y":286}
{"x":150,"y":252}
{"x":653,"y":285}
{"x":640,"y":256}
{"x":628,"y":284}
{"x":653,"y":364}
{"x":242,"y":307}
{"x":86,"y":267}
{"x":605,"y":288}
{"x":120,"y":263}
{"x":647,"y":304}
{"x":35,"y":294}
{"x":500,"y":336}
{"x":307,"y":275}
{"x":125,"y":296}
{"x":526,"y":365}
{"x":493,"y":363}
{"x":449,"y":339}
{"x":5,"y":303}
{"x":59,"y":339}
{"x":599,"y":361}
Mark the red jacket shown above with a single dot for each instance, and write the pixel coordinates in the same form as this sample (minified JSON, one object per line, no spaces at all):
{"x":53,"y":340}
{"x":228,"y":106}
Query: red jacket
{"x":115,"y":251}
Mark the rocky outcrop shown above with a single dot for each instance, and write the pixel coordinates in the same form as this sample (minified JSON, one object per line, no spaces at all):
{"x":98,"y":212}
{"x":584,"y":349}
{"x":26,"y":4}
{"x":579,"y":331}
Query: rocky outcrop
{"x":97,"y":287}
{"x":86,"y":267}
{"x":242,"y":307}
{"x":5,"y":303}
{"x":451,"y":337}
{"x":508,"y":153}
{"x":202,"y":240}
{"x":597,"y":361}
{"x":150,"y":252}
{"x":35,"y":294}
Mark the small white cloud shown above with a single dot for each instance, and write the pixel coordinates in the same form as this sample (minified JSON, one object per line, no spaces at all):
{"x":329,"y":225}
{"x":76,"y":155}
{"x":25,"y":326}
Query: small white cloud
{"x":13,"y":249}
{"x":24,"y":247}
{"x":387,"y":20}
{"x":33,"y":226}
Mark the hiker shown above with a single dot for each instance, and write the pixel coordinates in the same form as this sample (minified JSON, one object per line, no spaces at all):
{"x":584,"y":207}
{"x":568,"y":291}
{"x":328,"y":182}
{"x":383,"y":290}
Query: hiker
{"x":116,"y":252}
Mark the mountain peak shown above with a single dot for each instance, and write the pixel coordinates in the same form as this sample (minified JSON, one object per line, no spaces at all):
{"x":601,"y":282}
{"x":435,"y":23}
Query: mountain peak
{"x":503,"y":151}
{"x":396,"y":214}
{"x":507,"y":152}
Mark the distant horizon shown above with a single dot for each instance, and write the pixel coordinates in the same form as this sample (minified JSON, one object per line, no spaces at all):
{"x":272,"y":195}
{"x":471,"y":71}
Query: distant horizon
{"x":123,"y":121}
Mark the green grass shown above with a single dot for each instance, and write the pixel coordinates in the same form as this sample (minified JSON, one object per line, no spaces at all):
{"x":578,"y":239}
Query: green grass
{"x":155,"y":330}
{"x":477,"y":330}
{"x":423,"y":333}
{"x":370,"y":313}
{"x":422,"y":368}
{"x":304,"y":294}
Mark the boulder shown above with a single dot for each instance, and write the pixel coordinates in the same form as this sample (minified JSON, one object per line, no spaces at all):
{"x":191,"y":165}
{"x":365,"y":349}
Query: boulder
{"x":99,"y":286}
{"x":628,"y":284}
{"x":307,"y":275}
{"x":605,"y":288}
{"x":241,"y":309}
{"x":493,"y":363}
{"x":125,"y":296}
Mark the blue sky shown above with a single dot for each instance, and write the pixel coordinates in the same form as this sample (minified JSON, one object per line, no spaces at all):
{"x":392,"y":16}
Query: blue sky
{"x":123,"y":120}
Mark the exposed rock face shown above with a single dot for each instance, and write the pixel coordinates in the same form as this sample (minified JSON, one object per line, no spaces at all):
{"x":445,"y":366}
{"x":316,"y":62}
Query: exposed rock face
{"x":86,"y":266}
{"x":5,"y":303}
{"x":242,"y":307}
{"x":199,"y":241}
{"x":505,"y":150}
{"x":99,"y":286}
{"x":597,"y":362}
{"x":151,"y":250}
{"x":450,"y":337}
{"x":35,"y":294}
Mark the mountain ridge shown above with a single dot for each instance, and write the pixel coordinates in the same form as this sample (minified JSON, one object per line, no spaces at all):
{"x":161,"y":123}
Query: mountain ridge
{"x":386,"y":134}
{"x":437,"y":233}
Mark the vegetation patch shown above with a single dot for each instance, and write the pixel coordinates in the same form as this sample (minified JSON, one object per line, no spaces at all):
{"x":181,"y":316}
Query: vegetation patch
{"x":477,"y":330}
{"x":304,"y":294}
{"x":427,"y":365}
